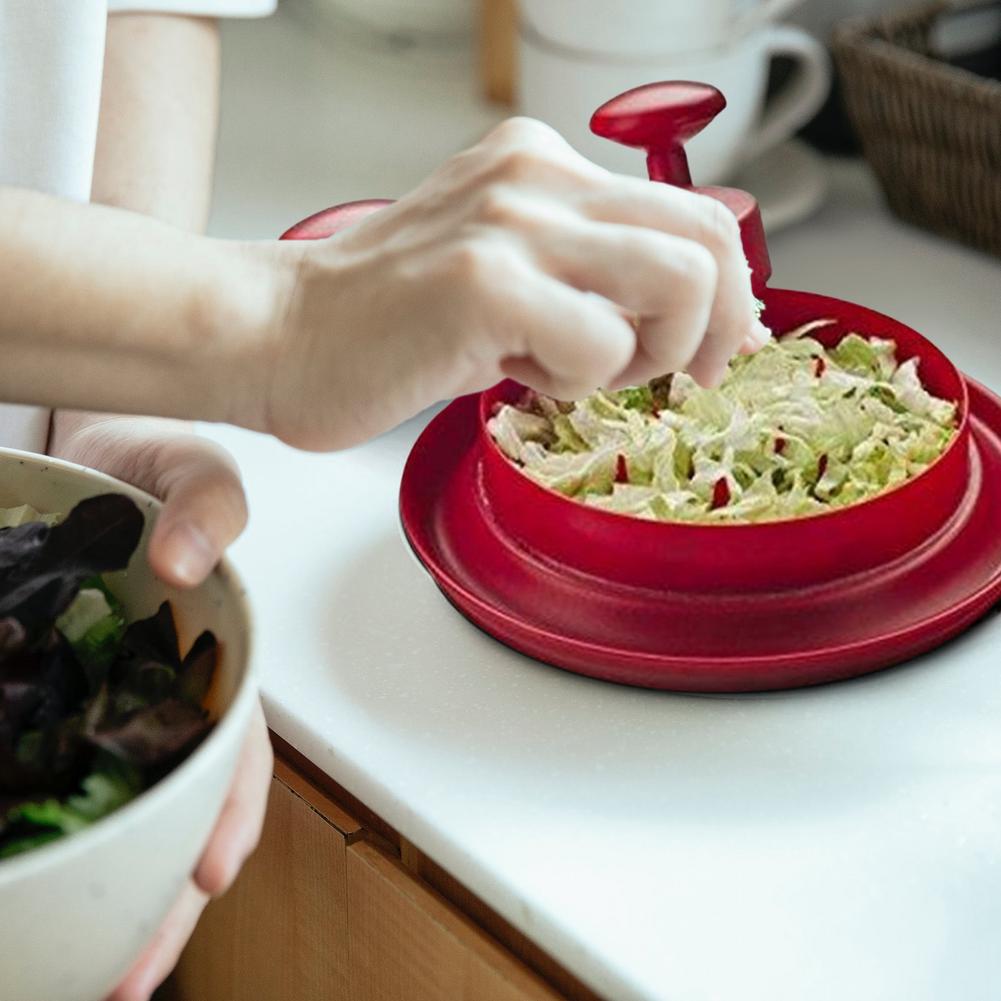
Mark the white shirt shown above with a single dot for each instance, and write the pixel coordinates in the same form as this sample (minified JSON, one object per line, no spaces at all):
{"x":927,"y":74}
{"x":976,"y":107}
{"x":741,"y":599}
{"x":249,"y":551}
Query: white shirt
{"x":51,"y":62}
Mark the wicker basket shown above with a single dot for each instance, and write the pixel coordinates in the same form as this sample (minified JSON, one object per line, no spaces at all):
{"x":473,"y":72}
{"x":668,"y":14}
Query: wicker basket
{"x":930,"y":131}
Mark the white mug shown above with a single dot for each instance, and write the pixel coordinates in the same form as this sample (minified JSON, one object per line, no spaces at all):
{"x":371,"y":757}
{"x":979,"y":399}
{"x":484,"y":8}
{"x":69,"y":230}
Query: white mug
{"x":563,"y":87}
{"x":416,"y":19}
{"x":646,"y":27}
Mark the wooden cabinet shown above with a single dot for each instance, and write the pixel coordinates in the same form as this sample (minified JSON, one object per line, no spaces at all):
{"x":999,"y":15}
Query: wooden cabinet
{"x":405,"y":944}
{"x":281,"y":932}
{"x":335,"y":908}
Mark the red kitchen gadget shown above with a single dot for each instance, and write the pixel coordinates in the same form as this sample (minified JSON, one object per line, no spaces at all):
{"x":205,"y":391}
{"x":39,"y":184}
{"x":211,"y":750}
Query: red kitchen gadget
{"x":708,"y":608}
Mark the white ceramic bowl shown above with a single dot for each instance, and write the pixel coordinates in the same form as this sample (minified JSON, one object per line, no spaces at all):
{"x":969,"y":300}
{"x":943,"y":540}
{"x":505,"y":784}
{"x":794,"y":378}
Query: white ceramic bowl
{"x":75,"y":914}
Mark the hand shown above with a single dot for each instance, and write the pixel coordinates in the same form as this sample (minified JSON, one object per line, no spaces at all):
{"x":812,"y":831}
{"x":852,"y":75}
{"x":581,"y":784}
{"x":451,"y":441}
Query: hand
{"x":204,"y":510}
{"x":232,"y":841}
{"x":517,"y":257}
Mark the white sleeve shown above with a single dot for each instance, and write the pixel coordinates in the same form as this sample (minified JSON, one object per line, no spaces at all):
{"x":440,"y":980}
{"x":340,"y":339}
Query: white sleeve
{"x":203,"y":8}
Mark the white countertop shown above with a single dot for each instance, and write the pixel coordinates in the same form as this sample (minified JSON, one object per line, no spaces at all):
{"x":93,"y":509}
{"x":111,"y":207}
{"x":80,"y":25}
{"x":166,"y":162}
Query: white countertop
{"x":818,"y":845}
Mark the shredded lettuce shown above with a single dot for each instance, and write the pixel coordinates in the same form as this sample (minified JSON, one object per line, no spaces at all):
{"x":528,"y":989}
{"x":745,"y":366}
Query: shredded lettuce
{"x":795,"y":429}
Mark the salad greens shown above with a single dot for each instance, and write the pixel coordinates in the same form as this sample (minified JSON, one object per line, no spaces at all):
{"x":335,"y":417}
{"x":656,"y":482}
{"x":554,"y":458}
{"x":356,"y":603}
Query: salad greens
{"x":795,"y":429}
{"x":93,"y":710}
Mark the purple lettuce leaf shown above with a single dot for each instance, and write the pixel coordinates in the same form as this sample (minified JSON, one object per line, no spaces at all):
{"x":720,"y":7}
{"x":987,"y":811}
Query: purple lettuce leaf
{"x":42,"y":566}
{"x":68,"y":737}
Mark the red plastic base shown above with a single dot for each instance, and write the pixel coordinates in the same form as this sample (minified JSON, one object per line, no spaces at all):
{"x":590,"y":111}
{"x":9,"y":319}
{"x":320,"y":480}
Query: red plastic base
{"x":695,"y":641}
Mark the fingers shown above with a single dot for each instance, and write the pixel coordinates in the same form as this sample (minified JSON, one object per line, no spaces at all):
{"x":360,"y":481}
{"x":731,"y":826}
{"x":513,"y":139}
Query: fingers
{"x":558,"y":340}
{"x":517,"y":256}
{"x":673,"y":257}
{"x":238,"y":828}
{"x":204,"y":509}
{"x":198,"y":481}
{"x":709,"y":224}
{"x":669,"y":283}
{"x":164,"y":950}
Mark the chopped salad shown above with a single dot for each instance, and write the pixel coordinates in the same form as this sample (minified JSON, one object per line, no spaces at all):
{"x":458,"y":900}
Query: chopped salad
{"x":93,"y":708}
{"x":795,"y":429}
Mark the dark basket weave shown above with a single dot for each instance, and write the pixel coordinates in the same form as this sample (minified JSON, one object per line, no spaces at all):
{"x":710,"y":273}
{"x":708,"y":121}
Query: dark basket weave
{"x":930,"y":131}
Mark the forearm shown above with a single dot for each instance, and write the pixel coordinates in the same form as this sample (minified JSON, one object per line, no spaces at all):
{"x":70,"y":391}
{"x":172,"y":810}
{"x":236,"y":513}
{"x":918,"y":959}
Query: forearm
{"x":108,"y":309}
{"x":159,"y":112}
{"x":156,"y":138}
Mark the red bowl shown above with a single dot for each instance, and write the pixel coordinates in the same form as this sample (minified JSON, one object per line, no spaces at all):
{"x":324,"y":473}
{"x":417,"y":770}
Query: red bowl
{"x":710,"y":608}
{"x":723,"y":558}
{"x":736,"y":557}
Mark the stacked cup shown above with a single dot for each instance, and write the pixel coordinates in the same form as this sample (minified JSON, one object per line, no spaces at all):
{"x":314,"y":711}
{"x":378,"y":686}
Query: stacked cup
{"x":574,"y":53}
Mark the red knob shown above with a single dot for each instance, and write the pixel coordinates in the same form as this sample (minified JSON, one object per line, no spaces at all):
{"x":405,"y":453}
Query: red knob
{"x":661,"y":118}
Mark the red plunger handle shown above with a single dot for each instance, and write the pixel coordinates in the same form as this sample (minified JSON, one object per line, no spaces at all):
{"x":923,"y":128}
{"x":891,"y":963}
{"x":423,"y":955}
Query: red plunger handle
{"x":661,"y":118}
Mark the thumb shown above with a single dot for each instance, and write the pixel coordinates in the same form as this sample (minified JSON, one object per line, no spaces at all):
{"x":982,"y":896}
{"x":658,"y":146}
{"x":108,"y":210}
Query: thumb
{"x":204,"y":510}
{"x":164,"y":949}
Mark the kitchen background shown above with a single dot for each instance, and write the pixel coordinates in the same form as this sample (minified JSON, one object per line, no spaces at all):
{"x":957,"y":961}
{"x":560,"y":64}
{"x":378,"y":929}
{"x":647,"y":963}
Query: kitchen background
{"x":417,"y":80}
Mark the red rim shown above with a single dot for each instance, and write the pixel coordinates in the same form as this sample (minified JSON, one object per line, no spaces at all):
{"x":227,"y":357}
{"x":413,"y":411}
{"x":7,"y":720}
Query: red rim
{"x":722,"y":558}
{"x":928,"y":599}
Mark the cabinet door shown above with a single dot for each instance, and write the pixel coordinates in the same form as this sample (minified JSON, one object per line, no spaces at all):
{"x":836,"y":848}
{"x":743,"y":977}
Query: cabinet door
{"x":280,"y":934}
{"x":407,"y":944}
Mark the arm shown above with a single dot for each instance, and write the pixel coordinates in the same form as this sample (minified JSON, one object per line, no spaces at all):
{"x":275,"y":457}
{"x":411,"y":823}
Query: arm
{"x":154,"y":156}
{"x":109,"y":309}
{"x":486,"y":269}
{"x":74,"y":331}
{"x":159,"y":106}
{"x":159,"y":111}
{"x":156,"y":139}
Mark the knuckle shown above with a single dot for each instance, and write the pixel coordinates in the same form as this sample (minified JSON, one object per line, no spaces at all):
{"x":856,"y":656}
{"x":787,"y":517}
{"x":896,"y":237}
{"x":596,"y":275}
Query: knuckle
{"x":523,"y":150}
{"x":222,"y":481}
{"x":697,"y":271}
{"x":469,"y":261}
{"x":520,"y":164}
{"x":718,"y":227}
{"x":239,"y":513}
{"x":520,"y":129}
{"x":498,"y":206}
{"x":229,"y":506}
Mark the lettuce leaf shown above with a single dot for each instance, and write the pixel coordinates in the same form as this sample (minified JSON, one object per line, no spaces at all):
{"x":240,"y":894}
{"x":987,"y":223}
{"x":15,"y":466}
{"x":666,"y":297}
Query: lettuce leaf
{"x":42,"y":566}
{"x":92,"y":711}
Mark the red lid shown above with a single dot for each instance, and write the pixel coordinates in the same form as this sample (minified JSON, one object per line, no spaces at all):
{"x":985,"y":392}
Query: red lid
{"x":661,"y":118}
